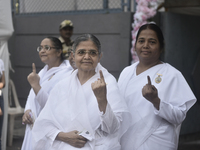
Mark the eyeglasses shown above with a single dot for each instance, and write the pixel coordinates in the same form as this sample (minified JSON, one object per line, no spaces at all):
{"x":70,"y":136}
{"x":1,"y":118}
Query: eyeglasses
{"x":92,"y":53}
{"x":46,"y":48}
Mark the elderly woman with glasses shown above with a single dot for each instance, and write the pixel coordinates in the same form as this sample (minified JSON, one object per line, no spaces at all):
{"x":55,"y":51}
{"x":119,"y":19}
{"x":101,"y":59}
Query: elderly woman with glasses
{"x":56,"y":69}
{"x":84,"y":111}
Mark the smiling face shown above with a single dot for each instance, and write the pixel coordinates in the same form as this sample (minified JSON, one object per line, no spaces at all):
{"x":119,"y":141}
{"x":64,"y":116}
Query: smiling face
{"x":148,"y":46}
{"x":86,"y":57}
{"x":50,"y":57}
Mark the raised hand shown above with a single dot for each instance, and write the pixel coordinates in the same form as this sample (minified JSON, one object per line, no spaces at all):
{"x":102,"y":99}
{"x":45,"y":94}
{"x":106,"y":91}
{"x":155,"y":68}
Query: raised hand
{"x":100,"y":91}
{"x":34,"y":79}
{"x":72,"y":138}
{"x":150,"y":92}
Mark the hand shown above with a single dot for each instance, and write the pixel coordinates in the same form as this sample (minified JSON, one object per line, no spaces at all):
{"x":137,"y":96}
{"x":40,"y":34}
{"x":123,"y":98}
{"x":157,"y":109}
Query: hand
{"x":26,"y":119}
{"x":100,"y":91}
{"x":33,"y":78}
{"x":150,"y":92}
{"x":72,"y":138}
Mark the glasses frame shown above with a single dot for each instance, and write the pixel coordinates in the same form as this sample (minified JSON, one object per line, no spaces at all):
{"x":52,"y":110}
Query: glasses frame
{"x":50,"y":47}
{"x":87,"y":52}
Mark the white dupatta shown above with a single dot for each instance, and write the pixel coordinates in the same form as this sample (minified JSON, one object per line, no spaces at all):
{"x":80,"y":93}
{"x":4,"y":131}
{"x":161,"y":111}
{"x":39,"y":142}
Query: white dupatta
{"x":173,"y":91}
{"x":48,"y":79}
{"x":70,"y":108}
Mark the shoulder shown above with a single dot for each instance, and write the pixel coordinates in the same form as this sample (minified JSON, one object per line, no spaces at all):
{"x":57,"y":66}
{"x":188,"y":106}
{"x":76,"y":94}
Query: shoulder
{"x":172,"y":70}
{"x":171,"y":73}
{"x":128,"y":69}
{"x":61,"y":39}
{"x":107,"y":75}
{"x":61,"y":85}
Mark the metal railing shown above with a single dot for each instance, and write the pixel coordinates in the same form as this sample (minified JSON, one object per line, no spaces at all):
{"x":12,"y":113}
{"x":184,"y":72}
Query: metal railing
{"x":35,"y":7}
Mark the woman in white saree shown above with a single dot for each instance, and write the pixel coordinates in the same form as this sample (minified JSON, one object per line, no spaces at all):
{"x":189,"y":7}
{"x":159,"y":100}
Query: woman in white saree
{"x":85,"y":111}
{"x":157,"y":95}
{"x":56,"y":68}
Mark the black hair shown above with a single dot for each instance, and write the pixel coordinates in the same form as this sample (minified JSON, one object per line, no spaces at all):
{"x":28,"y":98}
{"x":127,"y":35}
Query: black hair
{"x":156,"y":29}
{"x":87,"y":37}
{"x":58,"y":45}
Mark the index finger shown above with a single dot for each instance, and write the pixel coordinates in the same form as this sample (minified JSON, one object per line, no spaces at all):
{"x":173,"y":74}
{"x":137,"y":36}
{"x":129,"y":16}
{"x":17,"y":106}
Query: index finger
{"x":33,"y":68}
{"x":101,"y":76}
{"x":149,"y":80}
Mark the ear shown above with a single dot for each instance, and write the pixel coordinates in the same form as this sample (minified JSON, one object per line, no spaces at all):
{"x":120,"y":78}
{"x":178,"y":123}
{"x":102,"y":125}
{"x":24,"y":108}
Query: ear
{"x":59,"y":53}
{"x":72,"y":54}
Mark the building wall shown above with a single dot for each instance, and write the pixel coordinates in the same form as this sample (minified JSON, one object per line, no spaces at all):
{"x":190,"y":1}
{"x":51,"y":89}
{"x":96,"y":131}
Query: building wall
{"x":113,"y":31}
{"x":182,"y":36}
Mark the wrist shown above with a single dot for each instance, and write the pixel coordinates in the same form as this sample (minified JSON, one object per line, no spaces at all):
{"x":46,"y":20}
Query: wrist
{"x":102,"y":106}
{"x":156,"y":103}
{"x":60,"y":136}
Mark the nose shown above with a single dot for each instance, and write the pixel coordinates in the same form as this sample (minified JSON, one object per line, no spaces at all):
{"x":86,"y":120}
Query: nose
{"x":42,"y":50}
{"x":87,"y":55}
{"x":146,"y":44}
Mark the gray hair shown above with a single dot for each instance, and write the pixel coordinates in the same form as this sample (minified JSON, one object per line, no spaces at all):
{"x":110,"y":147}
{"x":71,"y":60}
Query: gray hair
{"x":87,"y":37}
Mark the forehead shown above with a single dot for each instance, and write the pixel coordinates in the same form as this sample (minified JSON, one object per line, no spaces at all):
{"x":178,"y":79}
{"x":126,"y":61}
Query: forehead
{"x":87,"y":45}
{"x":46,"y":41}
{"x":148,"y":33}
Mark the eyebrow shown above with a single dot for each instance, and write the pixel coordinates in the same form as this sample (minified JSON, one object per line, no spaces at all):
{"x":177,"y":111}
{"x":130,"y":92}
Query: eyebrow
{"x":148,"y":39}
{"x":152,"y":39}
{"x":85,"y":50}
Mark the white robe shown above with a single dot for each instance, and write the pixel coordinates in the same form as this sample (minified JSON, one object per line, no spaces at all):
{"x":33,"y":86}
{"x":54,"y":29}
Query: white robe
{"x":48,"y":79}
{"x":154,"y":129}
{"x":72,"y":106}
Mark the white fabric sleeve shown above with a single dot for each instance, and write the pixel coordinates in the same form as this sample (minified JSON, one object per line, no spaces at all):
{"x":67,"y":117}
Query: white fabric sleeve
{"x":110,"y":121}
{"x":173,"y":114}
{"x":52,"y":135}
{"x":28,"y":105}
{"x":42,"y":97}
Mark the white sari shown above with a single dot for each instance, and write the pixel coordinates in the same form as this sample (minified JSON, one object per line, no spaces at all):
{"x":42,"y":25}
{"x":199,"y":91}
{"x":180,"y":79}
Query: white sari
{"x":48,"y":79}
{"x":153,"y":129}
{"x":72,"y":106}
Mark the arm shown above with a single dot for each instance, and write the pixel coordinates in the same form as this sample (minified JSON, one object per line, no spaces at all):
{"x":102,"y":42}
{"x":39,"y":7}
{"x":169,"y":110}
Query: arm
{"x":42,"y":97}
{"x":173,"y":114}
{"x":110,"y":121}
{"x":174,"y":111}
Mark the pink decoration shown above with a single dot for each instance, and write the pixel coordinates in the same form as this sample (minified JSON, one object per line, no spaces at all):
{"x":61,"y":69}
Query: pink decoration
{"x":145,"y":10}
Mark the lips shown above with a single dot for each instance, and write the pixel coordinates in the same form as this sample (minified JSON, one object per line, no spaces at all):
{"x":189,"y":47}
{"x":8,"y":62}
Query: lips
{"x":86,"y":62}
{"x":146,"y":52}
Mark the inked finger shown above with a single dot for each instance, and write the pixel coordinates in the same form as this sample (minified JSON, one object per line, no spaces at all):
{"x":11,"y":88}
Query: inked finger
{"x":101,"y":76}
{"x":149,"y":80}
{"x":154,"y":88}
{"x":33,"y":68}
